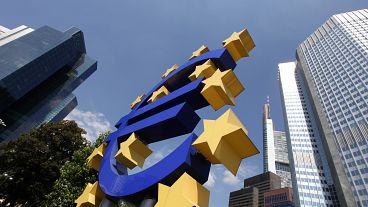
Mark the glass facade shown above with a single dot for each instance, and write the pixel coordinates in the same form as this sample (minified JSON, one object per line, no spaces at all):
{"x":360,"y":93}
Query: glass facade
{"x":311,"y":178}
{"x":275,"y":152}
{"x":39,"y":71}
{"x":334,"y":60}
{"x":282,"y":159}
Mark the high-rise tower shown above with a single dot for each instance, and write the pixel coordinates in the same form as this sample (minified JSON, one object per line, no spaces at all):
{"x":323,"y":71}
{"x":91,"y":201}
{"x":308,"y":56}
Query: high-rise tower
{"x":275,"y":152}
{"x":334,"y":63}
{"x":39,"y":69}
{"x":268,"y":140}
{"x":311,"y":178}
{"x":331,"y":74}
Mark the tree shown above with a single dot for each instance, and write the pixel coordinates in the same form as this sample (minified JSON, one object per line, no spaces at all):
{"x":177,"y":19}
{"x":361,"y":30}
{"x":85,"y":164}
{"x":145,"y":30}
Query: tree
{"x":30,"y":165}
{"x":74,"y":176}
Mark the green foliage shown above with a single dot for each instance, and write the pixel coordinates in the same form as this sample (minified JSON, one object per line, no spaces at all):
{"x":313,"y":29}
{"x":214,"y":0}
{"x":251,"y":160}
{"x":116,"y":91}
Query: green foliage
{"x":74,"y":176}
{"x":30,"y":165}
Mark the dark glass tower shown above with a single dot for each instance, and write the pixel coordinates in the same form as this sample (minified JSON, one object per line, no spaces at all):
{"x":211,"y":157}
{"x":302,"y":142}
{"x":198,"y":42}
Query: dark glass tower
{"x":39,"y":69}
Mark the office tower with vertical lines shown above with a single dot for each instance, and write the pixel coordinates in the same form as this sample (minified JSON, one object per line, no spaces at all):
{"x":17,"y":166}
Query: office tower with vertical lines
{"x":39,"y":69}
{"x":331,"y":74}
{"x":311,"y":178}
{"x":275,"y":152}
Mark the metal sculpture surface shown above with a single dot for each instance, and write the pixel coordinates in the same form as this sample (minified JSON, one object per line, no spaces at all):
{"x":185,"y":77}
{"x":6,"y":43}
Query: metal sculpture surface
{"x":168,"y":111}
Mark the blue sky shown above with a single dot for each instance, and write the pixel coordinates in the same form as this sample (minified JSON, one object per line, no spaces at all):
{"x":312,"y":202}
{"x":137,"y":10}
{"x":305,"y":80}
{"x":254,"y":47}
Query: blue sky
{"x":136,"y":41}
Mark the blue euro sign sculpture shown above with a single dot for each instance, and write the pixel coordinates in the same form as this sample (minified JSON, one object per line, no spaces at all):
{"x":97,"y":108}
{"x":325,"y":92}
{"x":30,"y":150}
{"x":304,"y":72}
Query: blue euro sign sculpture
{"x":167,"y":117}
{"x":170,"y":116}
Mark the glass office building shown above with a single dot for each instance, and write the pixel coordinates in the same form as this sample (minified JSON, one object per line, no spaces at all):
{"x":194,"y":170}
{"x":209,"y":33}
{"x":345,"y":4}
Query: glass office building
{"x":332,"y":73}
{"x":39,"y":69}
{"x":311,"y":178}
{"x":334,"y":63}
{"x":275,"y":152}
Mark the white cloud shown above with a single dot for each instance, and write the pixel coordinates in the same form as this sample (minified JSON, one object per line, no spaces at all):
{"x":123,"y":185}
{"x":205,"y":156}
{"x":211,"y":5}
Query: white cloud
{"x":229,"y":178}
{"x":211,"y":180}
{"x":93,"y":122}
{"x":153,"y":159}
{"x":248,"y":170}
{"x":245,"y":171}
{"x":158,"y":156}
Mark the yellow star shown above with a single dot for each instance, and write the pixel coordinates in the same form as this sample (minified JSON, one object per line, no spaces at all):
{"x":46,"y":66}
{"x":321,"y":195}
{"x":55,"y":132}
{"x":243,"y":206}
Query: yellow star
{"x":239,"y":44}
{"x":225,"y":141}
{"x":185,"y":192}
{"x":161,"y":92}
{"x":91,"y":196}
{"x":206,"y":69}
{"x":137,"y":100}
{"x":94,"y":160}
{"x":170,"y":70}
{"x":132,"y":152}
{"x":203,"y":49}
{"x":221,"y":89}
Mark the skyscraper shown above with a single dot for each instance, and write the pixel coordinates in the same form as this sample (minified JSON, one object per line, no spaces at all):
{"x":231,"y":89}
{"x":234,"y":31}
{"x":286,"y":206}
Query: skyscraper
{"x":311,"y":178}
{"x":275,"y":152}
{"x":39,"y":69}
{"x":325,"y":94}
{"x":334,"y":63}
